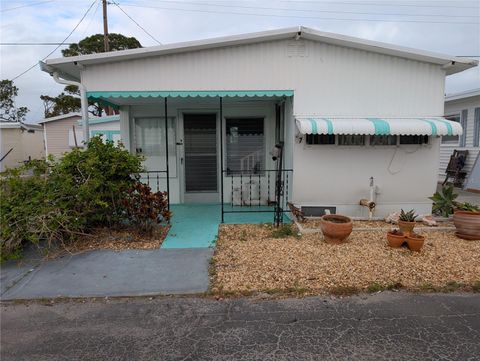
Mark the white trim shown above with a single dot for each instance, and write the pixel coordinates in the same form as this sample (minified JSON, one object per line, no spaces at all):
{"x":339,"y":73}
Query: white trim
{"x":462,"y":95}
{"x":60,"y":117}
{"x":72,"y":65}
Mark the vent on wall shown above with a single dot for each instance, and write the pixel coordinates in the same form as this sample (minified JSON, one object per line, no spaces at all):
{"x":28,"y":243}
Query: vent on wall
{"x":297,"y":48}
{"x":317,"y":211}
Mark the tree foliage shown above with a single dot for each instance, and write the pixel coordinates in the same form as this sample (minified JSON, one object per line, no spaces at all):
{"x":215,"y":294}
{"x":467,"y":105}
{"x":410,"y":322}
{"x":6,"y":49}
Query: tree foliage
{"x":94,"y":44}
{"x":69,"y":100}
{"x":9,"y":112}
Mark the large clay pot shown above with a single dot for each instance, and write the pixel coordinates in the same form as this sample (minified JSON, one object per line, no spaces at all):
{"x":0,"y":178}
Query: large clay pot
{"x":395,"y":239}
{"x":467,"y":224}
{"x":336,"y":228}
{"x":406,"y":227}
{"x":415,"y":242}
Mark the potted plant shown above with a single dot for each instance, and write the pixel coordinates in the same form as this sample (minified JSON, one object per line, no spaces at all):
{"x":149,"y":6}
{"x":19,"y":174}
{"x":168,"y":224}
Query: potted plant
{"x":444,"y":201}
{"x":395,"y":238}
{"x":467,"y":221}
{"x":415,"y":241}
{"x":406,"y":222}
{"x":335,"y":228}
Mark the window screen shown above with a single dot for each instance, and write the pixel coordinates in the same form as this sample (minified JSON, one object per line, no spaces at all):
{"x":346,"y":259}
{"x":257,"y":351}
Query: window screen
{"x":320,"y":139}
{"x":351,"y":139}
{"x":383,"y":140}
{"x":245,"y":145}
{"x":414,"y":139}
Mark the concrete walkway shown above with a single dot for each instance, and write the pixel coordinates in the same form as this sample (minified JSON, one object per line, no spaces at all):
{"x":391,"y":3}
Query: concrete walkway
{"x":108,"y":273}
{"x":386,"y":326}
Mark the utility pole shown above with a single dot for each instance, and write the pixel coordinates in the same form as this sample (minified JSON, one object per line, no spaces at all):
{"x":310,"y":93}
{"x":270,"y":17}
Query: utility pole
{"x":105,"y":27}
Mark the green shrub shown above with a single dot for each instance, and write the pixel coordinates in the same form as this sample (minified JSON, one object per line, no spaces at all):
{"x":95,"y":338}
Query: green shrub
{"x":144,"y":208}
{"x":284,"y":231}
{"x":55,"y":201}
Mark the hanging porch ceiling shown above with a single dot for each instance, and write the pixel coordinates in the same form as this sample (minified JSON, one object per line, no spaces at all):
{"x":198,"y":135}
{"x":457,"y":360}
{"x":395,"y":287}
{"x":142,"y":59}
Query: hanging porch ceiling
{"x":433,"y":126}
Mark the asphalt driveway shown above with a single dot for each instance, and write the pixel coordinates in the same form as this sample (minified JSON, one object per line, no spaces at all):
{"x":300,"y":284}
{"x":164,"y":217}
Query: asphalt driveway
{"x":393,"y":326}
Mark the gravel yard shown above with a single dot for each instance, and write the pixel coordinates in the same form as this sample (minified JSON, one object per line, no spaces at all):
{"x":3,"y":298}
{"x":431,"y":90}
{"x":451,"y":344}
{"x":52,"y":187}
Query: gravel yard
{"x":249,"y":259}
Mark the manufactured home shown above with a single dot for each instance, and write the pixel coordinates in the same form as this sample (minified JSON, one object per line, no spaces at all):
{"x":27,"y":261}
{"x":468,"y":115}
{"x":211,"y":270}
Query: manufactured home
{"x":463,"y":108}
{"x":64,"y":132}
{"x":317,"y":119}
{"x":19,"y":142}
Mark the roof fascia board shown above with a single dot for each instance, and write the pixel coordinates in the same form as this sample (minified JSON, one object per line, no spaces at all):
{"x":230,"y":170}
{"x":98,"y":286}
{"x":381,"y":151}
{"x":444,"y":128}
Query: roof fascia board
{"x":462,"y":95}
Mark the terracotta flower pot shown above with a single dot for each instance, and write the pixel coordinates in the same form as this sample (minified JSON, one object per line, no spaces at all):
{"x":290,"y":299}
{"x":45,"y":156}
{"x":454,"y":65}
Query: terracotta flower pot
{"x":395,"y":239}
{"x":336,"y":228}
{"x":415,"y":242}
{"x":406,"y":227}
{"x":467,"y":224}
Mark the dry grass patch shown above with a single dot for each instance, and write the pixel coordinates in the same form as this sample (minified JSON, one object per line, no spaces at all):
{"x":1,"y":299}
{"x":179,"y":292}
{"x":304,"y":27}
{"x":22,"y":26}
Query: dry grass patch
{"x":249,"y":259}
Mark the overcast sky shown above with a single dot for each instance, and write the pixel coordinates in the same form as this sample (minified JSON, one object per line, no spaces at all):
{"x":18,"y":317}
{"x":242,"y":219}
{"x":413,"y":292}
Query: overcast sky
{"x":450,"y":27}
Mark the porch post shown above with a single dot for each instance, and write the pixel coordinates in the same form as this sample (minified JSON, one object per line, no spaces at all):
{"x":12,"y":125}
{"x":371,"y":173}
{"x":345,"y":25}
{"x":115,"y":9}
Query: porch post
{"x":221,"y":155}
{"x":166,"y":155}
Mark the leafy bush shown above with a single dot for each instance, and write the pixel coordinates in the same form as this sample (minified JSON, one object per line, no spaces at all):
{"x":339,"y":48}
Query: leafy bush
{"x":55,"y":201}
{"x":145,"y":208}
{"x":444,"y":201}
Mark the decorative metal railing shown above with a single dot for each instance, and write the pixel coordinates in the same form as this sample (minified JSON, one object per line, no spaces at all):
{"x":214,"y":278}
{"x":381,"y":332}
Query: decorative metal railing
{"x":263,"y":191}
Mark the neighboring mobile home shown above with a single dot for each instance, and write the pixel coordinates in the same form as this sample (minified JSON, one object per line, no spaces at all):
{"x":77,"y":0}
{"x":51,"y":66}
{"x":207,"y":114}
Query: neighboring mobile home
{"x":345,"y":110}
{"x":19,"y":142}
{"x":64,"y":132}
{"x":463,"y":108}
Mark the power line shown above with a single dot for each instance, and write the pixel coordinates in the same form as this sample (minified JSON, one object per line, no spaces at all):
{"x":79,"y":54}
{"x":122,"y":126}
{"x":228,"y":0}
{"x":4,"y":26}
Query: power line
{"x":141,"y":27}
{"x":311,"y":10}
{"x":300,"y":17}
{"x":30,"y":44}
{"x":27,"y":5}
{"x":58,"y":46}
{"x":386,"y":3}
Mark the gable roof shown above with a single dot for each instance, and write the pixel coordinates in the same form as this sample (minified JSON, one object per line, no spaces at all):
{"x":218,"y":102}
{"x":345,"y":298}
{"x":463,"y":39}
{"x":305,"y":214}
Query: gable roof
{"x":70,"y":67}
{"x":60,"y":117}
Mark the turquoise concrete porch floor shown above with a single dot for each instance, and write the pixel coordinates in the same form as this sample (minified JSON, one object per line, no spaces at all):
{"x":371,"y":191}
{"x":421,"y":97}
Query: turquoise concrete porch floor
{"x":196,"y":225}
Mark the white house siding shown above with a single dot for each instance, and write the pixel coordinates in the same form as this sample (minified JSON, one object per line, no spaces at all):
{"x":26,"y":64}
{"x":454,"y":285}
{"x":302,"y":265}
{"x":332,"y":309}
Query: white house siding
{"x":455,"y":107}
{"x":327,"y":80}
{"x":26,"y":145}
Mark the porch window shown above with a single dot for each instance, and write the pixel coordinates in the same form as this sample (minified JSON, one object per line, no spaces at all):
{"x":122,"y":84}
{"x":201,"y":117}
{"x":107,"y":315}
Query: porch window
{"x":245,"y":145}
{"x":150,"y":142}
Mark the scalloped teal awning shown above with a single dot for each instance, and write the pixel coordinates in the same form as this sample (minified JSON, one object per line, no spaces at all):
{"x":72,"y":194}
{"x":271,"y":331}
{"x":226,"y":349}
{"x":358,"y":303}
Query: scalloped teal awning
{"x":100,"y":95}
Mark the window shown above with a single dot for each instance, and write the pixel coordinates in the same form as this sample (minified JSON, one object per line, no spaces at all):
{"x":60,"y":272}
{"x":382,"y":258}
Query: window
{"x":351,"y":139}
{"x":414,"y":139}
{"x":451,"y":139}
{"x":476,"y":128}
{"x":383,"y":140}
{"x":245,"y":145}
{"x":320,"y":139}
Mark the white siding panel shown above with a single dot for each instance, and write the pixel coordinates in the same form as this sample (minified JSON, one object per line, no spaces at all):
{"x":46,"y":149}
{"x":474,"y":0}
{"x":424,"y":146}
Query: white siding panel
{"x":330,"y":79}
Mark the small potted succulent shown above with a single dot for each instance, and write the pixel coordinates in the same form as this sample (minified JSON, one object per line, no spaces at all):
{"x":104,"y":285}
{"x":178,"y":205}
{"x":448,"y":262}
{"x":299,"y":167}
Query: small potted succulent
{"x":336,"y":228}
{"x":415,"y":241}
{"x":395,"y":238}
{"x":406,"y":222}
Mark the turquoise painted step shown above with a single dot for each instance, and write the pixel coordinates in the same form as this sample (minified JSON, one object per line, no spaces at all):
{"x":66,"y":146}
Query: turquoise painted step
{"x":196,"y":225}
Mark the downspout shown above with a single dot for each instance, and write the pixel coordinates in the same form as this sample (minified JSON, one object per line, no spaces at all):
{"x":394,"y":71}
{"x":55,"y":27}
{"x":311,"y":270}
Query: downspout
{"x":83,"y":102}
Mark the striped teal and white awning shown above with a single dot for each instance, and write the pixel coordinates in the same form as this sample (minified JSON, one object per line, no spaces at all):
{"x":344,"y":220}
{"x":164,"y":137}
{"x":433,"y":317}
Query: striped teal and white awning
{"x":434,"y":126}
